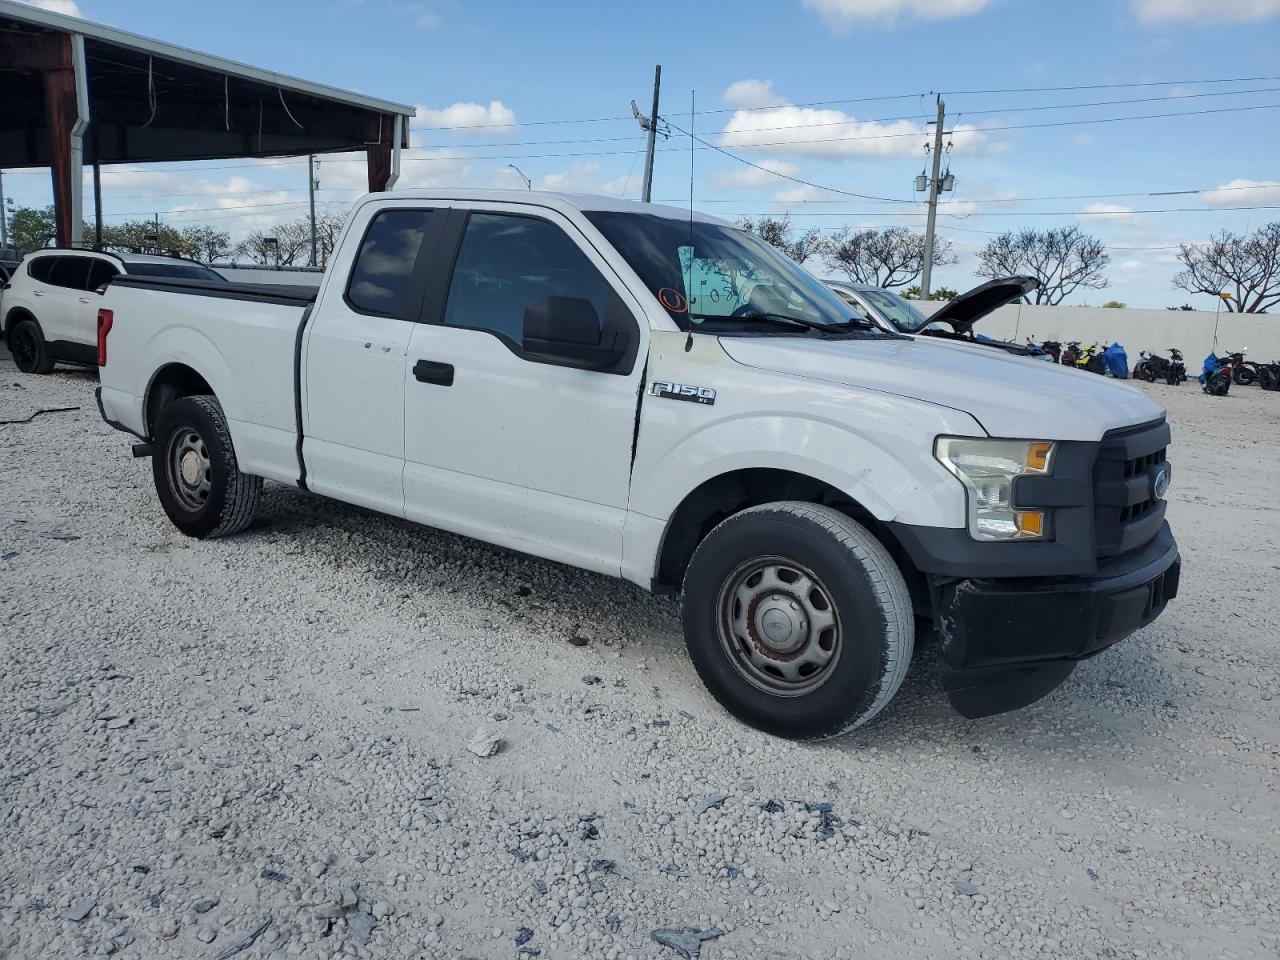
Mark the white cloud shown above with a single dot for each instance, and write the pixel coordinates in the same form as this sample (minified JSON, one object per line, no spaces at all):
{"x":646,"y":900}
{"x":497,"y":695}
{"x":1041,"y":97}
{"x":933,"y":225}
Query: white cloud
{"x":1243,"y":193}
{"x":68,"y":7}
{"x":752,"y":93}
{"x":749,"y":177}
{"x":1084,"y":140}
{"x":1110,"y":212}
{"x":1129,"y":266}
{"x":470,"y":119}
{"x":806,"y":131}
{"x":1206,"y":11}
{"x":803,"y":193}
{"x":843,"y":13}
{"x":580,"y":178}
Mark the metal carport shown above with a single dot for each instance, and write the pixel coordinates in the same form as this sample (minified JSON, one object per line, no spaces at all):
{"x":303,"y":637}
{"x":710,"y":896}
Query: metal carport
{"x":74,"y":92}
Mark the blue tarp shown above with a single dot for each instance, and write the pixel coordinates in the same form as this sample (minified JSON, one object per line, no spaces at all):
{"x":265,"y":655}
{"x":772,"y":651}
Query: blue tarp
{"x":1117,"y":361}
{"x":1210,"y":365}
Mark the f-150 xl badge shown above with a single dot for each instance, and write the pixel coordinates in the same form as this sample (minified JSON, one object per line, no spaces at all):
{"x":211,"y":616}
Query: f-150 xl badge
{"x":682,"y":391}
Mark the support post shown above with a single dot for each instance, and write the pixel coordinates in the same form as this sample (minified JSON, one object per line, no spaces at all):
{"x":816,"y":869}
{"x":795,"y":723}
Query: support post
{"x":60,"y":112}
{"x":311,"y":193}
{"x":647,"y":193}
{"x":379,"y":152}
{"x":4,"y":217}
{"x":81,"y":73}
{"x":927,"y":272}
{"x":97,"y":204}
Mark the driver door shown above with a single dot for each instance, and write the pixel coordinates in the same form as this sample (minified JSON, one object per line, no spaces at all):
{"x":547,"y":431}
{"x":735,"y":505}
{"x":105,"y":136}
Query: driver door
{"x":503,"y":445}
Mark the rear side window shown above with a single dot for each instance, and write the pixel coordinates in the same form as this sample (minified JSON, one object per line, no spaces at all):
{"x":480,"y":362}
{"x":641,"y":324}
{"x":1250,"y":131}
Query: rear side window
{"x":38,"y":268}
{"x":507,"y":263}
{"x":101,"y":272}
{"x":72,"y":272}
{"x":382,"y":276}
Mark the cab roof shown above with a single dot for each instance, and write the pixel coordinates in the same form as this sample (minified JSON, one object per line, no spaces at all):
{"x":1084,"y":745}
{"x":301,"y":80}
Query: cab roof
{"x":584,"y":202}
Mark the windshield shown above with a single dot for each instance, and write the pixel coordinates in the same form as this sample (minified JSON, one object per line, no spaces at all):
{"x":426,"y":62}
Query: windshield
{"x":903,"y":314}
{"x":174,"y":271}
{"x":717,"y":277}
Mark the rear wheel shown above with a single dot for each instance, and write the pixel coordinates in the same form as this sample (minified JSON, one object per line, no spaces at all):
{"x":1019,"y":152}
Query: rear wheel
{"x":26,"y":343}
{"x":1244,"y":375}
{"x":797,"y":620}
{"x":196,"y":473}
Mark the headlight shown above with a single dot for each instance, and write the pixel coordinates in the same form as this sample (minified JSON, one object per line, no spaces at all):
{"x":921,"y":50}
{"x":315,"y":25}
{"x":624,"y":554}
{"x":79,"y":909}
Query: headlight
{"x":987,"y":468}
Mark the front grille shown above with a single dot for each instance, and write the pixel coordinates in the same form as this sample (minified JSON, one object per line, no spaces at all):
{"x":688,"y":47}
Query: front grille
{"x":1127,"y":513}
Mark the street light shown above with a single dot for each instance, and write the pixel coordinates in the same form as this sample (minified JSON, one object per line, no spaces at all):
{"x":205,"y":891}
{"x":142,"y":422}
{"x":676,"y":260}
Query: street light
{"x":528,"y":184}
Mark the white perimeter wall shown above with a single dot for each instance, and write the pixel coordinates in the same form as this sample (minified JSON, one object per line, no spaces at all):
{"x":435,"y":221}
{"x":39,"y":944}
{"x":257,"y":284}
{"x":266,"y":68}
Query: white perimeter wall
{"x":1135,"y":330}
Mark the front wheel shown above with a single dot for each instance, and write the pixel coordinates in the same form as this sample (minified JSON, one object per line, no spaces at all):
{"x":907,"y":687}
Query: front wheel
{"x":1243,"y":376}
{"x":797,"y":620}
{"x":196,"y":473}
{"x":26,"y":343}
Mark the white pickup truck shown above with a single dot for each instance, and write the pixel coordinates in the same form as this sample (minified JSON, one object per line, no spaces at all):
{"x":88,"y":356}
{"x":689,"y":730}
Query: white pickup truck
{"x":662,"y":397}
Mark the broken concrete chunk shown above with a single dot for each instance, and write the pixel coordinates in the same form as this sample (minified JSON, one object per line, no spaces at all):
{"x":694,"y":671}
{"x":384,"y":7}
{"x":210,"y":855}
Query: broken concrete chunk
{"x":80,"y":909}
{"x":687,"y":941}
{"x":706,"y":803}
{"x":361,"y":926}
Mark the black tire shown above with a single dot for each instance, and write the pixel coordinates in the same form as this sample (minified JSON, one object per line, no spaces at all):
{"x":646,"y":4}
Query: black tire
{"x":865,"y":597}
{"x":1172,"y":379}
{"x":196,"y":474}
{"x":1243,"y":376}
{"x":27,"y":346}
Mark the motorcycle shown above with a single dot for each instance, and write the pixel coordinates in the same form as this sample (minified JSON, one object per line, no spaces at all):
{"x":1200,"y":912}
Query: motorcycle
{"x":1054,"y":349}
{"x":1243,"y":372}
{"x":1152,"y":367}
{"x":1070,"y":354}
{"x":1216,"y":377}
{"x":1269,"y":376}
{"x":1091,"y":359}
{"x":1037,"y":351}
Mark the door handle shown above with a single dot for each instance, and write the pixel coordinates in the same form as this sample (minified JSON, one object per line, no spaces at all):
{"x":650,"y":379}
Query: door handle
{"x":85,"y":300}
{"x":428,"y":371}
{"x":37,"y":293}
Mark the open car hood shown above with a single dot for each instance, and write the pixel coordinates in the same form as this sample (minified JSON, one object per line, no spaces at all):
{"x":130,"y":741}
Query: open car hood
{"x":968,"y":308}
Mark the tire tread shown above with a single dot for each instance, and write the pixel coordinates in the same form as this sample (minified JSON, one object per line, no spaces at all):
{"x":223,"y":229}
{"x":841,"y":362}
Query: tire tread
{"x":240,"y":502}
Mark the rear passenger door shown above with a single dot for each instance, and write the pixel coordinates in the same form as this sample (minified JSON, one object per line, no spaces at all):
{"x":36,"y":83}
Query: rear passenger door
{"x":508,"y":446}
{"x":353,"y":365}
{"x":65,"y":296}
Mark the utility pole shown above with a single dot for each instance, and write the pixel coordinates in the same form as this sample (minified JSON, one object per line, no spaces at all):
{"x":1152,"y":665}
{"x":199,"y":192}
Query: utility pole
{"x":311,"y":190}
{"x":650,"y":125}
{"x":934,"y":184}
{"x":4,"y":217}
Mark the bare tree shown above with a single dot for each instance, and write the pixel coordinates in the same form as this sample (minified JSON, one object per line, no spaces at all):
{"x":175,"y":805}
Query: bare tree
{"x":892,"y":257}
{"x":778,"y":232}
{"x":1249,"y":266}
{"x":1063,"y":259}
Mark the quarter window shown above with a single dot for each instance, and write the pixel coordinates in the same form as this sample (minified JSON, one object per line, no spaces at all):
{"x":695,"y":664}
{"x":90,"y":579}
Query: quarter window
{"x":101,"y":272}
{"x":382,"y":277}
{"x":507,"y":263}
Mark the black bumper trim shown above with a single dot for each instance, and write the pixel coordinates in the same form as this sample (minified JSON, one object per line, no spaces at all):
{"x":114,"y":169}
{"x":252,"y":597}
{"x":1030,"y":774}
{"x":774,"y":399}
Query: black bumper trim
{"x":1011,"y":637}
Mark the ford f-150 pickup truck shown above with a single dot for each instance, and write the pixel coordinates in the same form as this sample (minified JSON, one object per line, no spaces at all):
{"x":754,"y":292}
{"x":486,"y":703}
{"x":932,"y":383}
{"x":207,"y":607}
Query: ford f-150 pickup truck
{"x":662,"y":397}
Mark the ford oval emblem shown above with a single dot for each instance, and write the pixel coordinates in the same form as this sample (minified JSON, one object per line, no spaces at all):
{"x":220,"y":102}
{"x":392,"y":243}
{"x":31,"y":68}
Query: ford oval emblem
{"x":1160,"y":484}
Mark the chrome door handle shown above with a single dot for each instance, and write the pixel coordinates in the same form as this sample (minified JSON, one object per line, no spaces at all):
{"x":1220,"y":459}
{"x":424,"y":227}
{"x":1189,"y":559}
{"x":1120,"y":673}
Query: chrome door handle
{"x":85,"y":300}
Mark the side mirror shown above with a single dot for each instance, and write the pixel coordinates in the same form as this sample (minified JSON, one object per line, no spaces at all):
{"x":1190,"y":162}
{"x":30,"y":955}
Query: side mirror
{"x":566,"y":330}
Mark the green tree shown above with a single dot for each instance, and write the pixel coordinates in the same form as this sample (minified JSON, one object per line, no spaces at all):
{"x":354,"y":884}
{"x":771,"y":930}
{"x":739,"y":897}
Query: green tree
{"x":1114,"y":305}
{"x":30,"y":229}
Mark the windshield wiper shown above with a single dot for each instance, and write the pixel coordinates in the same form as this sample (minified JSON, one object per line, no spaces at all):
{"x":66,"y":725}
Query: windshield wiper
{"x":793,"y":323}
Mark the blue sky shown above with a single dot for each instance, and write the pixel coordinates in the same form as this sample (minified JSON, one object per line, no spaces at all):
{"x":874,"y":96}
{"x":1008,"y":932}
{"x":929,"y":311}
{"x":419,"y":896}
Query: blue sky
{"x":504,"y":69}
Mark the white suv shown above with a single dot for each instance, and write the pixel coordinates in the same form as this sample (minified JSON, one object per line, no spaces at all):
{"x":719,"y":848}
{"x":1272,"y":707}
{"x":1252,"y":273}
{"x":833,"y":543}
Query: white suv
{"x":51,"y":301}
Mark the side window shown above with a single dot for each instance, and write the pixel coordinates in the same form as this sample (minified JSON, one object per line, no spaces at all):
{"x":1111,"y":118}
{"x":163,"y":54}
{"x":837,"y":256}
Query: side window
{"x":507,"y":263}
{"x":101,"y":272}
{"x":71,"y":272}
{"x":38,"y":268}
{"x":382,"y":277}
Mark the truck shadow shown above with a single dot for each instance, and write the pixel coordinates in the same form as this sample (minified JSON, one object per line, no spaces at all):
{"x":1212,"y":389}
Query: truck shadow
{"x":398,"y":555}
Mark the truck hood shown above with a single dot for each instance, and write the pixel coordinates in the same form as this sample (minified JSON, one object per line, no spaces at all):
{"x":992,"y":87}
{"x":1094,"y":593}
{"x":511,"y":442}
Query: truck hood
{"x":1010,"y":396}
{"x":970,"y":307}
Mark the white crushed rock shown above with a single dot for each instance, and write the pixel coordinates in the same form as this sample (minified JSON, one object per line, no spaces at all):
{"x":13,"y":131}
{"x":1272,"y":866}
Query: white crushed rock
{"x":253,"y":747}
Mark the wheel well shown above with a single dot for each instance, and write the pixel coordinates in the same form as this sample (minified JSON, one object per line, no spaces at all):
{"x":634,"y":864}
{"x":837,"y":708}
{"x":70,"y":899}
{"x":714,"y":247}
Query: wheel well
{"x":722,"y":496}
{"x":171,"y":382}
{"x":13,"y":317}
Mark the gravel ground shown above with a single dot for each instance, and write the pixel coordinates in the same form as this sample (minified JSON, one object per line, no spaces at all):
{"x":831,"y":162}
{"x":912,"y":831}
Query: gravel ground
{"x":259,"y":746}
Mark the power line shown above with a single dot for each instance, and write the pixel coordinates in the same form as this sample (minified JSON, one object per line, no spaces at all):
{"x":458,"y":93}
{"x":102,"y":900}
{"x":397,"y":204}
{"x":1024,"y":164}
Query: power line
{"x":1111,"y":86}
{"x":1024,"y":213}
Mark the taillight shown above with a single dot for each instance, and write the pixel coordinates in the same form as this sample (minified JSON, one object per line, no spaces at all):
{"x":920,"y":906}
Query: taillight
{"x":105,"y":319}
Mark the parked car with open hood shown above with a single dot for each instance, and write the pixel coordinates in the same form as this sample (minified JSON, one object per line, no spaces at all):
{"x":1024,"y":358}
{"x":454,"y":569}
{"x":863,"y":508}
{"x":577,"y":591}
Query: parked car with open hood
{"x":954,"y":320}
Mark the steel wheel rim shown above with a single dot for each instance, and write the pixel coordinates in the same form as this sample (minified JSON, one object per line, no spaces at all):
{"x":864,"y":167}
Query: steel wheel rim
{"x":778,"y":626}
{"x":189,"y":468}
{"x":23,"y":347}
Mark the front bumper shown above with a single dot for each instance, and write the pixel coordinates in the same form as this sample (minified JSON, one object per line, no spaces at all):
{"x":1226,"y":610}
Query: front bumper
{"x":1008,"y":642}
